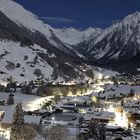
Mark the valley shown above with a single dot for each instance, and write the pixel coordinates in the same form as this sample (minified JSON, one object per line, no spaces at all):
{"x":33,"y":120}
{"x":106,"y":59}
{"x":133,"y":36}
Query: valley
{"x":68,"y":83}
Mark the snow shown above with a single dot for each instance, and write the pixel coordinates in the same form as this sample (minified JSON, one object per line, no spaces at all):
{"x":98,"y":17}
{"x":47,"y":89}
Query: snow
{"x":73,"y":36}
{"x":130,"y":20}
{"x":23,"y":17}
{"x":68,"y":36}
{"x":14,"y":49}
{"x":32,"y":119}
{"x":116,"y":55}
{"x":102,"y":115}
{"x":27,"y":119}
{"x":125,"y":89}
{"x":29,"y":103}
{"x":105,"y":32}
{"x":129,"y":30}
{"x":100,"y":53}
{"x":104,"y":72}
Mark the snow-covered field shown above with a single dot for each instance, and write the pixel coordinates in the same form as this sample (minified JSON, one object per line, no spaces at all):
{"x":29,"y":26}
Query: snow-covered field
{"x":124,"y":89}
{"x":29,"y":102}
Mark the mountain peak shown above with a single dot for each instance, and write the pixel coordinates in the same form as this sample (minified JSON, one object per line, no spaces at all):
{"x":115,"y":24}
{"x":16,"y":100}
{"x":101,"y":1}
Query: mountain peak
{"x":23,"y":17}
{"x":136,"y":14}
{"x":132,"y":19}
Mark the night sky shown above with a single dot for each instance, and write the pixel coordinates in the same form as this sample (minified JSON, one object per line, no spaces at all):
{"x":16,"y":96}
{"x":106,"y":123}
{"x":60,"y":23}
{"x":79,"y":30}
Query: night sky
{"x":81,"y":13}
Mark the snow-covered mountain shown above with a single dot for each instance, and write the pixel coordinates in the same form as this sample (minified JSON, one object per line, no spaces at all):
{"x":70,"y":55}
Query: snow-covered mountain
{"x":73,"y":37}
{"x":118,"y":43}
{"x":29,"y":49}
{"x":24,"y":18}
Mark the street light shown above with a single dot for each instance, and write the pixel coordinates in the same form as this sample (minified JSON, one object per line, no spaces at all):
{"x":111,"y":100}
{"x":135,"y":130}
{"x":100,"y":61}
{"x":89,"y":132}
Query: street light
{"x":53,"y":118}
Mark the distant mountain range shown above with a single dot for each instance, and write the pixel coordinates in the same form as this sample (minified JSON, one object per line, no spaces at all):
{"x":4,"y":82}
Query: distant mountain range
{"x":118,"y":45}
{"x":31,"y":49}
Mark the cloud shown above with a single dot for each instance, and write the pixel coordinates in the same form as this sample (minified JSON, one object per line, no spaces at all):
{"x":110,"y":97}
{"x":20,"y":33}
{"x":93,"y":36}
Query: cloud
{"x":57,"y":19}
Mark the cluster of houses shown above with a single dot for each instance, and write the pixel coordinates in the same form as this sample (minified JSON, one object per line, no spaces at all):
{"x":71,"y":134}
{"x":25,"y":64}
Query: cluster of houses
{"x":118,"y":115}
{"x":128,"y":79}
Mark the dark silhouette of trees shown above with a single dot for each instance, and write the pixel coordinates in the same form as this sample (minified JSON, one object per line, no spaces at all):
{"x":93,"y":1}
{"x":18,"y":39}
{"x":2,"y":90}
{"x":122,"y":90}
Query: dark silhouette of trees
{"x":96,"y":130}
{"x":10,"y":100}
{"x":20,"y":130}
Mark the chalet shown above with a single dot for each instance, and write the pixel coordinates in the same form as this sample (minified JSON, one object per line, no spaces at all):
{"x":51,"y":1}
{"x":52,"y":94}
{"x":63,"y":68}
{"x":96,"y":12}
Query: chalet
{"x":7,"y":119}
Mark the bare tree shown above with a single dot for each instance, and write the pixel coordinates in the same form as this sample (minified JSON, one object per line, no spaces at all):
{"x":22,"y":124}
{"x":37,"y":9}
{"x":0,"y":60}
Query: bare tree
{"x":96,"y":130}
{"x":57,"y":133}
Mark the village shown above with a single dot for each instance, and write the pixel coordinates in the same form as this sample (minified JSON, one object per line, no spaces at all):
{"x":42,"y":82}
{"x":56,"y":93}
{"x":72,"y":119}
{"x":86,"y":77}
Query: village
{"x":107,"y":110}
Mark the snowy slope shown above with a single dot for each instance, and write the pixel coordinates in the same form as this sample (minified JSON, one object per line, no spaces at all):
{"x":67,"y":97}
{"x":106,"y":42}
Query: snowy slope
{"x":72,"y":36}
{"x":69,"y":46}
{"x":22,"y":17}
{"x":127,"y":31}
{"x":19,"y":27}
{"x":13,"y":53}
{"x":60,"y":38}
{"x":119,"y":42}
{"x":127,"y":27}
{"x":24,"y":64}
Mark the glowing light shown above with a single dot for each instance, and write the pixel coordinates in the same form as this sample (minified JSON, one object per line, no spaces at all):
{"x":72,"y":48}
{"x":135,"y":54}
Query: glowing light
{"x":135,"y":98}
{"x":111,"y":109}
{"x":82,"y":110}
{"x":94,"y":99}
{"x":107,"y":76}
{"x":98,"y":89}
{"x":100,"y":76}
{"x":3,"y":83}
{"x":101,"y":84}
{"x":35,"y":104}
{"x":121,"y":118}
{"x":53,"y":118}
{"x":70,"y":93}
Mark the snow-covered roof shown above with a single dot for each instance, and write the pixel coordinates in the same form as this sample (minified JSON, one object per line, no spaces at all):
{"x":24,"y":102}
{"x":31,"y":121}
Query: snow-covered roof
{"x":29,"y":103}
{"x":8,"y":117}
{"x":42,"y":111}
{"x":32,"y":119}
{"x":27,"y":119}
{"x":102,"y":116}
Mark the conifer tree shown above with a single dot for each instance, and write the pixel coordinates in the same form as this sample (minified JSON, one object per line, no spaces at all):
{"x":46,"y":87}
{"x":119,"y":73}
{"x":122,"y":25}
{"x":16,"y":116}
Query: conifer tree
{"x":17,"y":124}
{"x":10,"y":100}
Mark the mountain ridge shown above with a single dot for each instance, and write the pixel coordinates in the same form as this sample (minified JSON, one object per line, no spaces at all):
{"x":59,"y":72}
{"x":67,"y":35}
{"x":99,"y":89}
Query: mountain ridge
{"x":52,"y":53}
{"x":117,"y":43}
{"x":65,"y":50}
